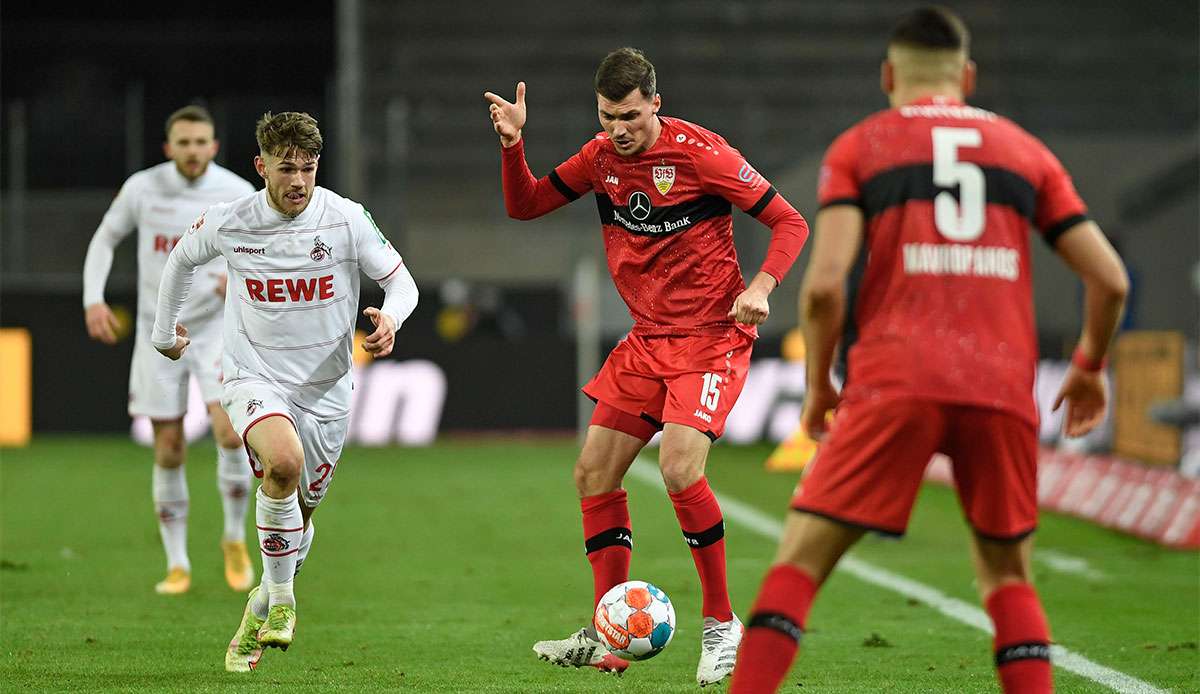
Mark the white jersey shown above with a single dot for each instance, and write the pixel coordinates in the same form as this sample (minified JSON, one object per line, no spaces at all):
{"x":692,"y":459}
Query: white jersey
{"x":293,"y":292}
{"x":160,"y":203}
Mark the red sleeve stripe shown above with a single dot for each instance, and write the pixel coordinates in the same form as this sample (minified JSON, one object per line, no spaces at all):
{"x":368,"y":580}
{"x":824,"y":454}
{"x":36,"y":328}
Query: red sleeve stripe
{"x":384,"y":278}
{"x":269,"y":414}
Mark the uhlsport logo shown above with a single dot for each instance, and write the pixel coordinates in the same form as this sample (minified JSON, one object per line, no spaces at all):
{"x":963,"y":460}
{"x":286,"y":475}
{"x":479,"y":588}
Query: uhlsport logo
{"x":320,"y":250}
{"x":639,"y":205}
{"x":252,"y":405}
{"x":664,"y":178}
{"x":250,"y":250}
{"x":275,"y":543}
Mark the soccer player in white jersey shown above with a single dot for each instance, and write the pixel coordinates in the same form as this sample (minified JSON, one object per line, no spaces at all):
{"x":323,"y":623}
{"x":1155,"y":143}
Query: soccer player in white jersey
{"x":160,"y":202}
{"x":294,"y":254}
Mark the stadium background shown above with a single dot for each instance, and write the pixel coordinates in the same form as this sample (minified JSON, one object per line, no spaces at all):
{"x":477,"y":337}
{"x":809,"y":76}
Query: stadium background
{"x":1111,"y":87}
{"x":508,"y":328}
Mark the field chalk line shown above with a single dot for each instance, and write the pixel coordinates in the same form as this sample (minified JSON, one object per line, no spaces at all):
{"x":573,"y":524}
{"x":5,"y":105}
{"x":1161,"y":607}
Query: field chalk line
{"x":752,"y":519}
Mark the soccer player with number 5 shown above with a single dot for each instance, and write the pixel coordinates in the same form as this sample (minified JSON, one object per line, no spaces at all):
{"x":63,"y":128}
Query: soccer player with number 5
{"x":665,"y":189}
{"x":940,"y":196}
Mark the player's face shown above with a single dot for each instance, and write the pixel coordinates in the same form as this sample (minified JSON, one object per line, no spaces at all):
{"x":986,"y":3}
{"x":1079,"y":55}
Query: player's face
{"x":631,"y":123}
{"x":290,"y":180}
{"x":191,"y":145}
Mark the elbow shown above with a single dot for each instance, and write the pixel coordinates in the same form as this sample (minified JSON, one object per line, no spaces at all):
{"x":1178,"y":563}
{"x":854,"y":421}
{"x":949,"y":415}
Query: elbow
{"x":1120,"y":287}
{"x":820,"y":295}
{"x":519,"y":213}
{"x":1113,"y":286}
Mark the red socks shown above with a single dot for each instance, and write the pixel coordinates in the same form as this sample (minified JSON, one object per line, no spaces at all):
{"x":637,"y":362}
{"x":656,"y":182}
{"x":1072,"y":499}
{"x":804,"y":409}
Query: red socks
{"x":607,"y":539}
{"x":1022,"y":641}
{"x":703,"y":528}
{"x":774,"y":630}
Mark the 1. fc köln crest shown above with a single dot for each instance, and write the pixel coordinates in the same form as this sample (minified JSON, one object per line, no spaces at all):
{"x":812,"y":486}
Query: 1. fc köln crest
{"x":664,"y":178}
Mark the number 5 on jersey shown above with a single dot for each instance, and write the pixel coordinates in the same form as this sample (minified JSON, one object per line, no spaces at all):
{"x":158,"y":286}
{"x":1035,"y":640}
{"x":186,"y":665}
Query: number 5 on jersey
{"x":711,"y":392}
{"x":962,"y":219}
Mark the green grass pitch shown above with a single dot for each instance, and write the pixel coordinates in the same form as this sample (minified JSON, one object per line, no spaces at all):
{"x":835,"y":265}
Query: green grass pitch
{"x":434,"y":570}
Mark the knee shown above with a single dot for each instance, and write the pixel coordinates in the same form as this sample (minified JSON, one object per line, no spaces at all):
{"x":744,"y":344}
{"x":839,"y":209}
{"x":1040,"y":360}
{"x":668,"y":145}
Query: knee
{"x":227,"y":440}
{"x":679,"y":472}
{"x":283,"y":469}
{"x":222,"y":429}
{"x":991,"y":581}
{"x":226,"y":437}
{"x":169,"y":448}
{"x":1000,"y":565}
{"x":593,"y":477}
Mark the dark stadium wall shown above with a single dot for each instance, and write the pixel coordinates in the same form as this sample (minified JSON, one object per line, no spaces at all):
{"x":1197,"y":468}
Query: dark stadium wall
{"x":496,"y":381}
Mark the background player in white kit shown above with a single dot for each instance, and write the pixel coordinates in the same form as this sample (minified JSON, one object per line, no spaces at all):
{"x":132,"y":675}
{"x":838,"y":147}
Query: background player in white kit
{"x":294,"y":253}
{"x":160,"y":202}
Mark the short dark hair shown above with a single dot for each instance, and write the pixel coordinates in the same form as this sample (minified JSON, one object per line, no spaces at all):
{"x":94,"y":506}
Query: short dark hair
{"x":193,"y":113}
{"x":281,"y":133}
{"x":931,"y":27}
{"x":622,"y":71}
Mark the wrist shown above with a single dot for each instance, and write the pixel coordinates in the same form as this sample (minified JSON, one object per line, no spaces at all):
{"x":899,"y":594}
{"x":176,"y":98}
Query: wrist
{"x":510,"y":142}
{"x":764,"y":282}
{"x":1085,"y":363}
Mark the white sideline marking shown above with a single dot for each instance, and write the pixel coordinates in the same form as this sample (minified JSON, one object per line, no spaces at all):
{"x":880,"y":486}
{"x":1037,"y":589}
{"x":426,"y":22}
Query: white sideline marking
{"x":1068,"y":564}
{"x":751,"y":518}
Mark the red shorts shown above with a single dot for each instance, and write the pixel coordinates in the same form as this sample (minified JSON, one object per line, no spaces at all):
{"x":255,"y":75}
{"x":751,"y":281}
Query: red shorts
{"x":692,"y":380}
{"x":869,"y":468}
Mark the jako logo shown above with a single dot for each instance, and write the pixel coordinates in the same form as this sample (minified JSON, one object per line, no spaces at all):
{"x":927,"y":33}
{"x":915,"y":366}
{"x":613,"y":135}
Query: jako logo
{"x":251,"y":251}
{"x":301,"y":289}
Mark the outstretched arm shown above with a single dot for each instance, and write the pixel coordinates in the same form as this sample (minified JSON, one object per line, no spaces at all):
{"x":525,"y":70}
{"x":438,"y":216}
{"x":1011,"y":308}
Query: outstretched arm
{"x":525,"y":196}
{"x":118,"y":222}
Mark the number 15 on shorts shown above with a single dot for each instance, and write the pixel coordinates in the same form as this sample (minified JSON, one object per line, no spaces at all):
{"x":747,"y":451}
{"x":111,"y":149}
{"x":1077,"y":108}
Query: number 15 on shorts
{"x":711,"y":392}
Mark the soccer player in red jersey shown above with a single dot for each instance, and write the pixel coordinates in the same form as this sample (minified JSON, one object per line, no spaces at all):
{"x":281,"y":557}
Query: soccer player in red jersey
{"x":941,"y":196}
{"x":664,"y":188}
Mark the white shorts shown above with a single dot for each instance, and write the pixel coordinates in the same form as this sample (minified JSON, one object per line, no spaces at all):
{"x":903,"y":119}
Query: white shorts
{"x":158,"y":387}
{"x":249,"y":401}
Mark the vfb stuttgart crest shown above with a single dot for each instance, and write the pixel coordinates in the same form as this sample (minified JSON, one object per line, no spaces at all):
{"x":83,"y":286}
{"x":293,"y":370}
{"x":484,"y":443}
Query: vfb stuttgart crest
{"x":664,"y":178}
{"x":320,"y":250}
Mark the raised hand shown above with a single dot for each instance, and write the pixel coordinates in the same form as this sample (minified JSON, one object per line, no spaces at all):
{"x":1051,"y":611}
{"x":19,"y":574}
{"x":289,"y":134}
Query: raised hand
{"x":102,"y":325}
{"x":181,"y":344}
{"x":379,"y":343}
{"x":508,"y":118}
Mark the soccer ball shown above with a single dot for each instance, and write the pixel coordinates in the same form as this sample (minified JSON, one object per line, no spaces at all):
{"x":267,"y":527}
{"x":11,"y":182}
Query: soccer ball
{"x":635,"y":620}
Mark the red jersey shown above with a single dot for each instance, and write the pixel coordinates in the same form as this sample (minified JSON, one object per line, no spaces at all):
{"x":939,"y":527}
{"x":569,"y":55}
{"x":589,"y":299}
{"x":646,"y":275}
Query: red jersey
{"x":945,"y":307}
{"x":666,"y":215}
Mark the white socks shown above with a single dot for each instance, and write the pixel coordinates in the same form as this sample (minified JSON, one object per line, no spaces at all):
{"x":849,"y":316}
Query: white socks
{"x":305,"y":543}
{"x":233,"y":481}
{"x":279,"y":534}
{"x":171,"y":505}
{"x":262,"y":600}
